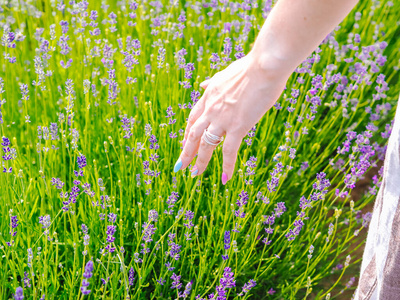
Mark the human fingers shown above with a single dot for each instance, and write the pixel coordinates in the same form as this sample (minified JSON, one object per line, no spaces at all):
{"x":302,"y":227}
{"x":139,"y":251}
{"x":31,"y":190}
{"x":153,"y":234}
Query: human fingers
{"x":229,"y":152}
{"x":195,"y":113}
{"x":205,"y":83}
{"x":192,"y":143}
{"x":205,"y":151}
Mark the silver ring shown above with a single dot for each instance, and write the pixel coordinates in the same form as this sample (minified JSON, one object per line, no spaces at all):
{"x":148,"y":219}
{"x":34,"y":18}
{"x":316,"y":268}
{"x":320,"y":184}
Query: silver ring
{"x":212,"y":139}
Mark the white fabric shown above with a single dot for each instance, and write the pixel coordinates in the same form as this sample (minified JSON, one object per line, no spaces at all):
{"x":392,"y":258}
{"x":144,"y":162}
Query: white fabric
{"x":380,"y":227}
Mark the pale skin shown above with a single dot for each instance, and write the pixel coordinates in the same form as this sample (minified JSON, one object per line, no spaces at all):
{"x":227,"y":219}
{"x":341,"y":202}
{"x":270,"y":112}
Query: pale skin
{"x":237,"y":97}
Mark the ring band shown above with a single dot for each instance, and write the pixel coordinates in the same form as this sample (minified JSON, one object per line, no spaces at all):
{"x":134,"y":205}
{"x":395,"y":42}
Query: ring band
{"x":212,"y":139}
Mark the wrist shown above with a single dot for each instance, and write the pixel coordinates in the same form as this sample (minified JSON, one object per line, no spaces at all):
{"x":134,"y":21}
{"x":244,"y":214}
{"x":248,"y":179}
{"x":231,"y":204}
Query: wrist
{"x":270,"y":66}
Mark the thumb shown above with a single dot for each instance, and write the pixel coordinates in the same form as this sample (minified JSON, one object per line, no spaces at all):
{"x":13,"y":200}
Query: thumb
{"x":229,"y":151}
{"x":205,"y":83}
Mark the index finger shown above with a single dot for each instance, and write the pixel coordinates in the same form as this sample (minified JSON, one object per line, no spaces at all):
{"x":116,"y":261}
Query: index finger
{"x":229,"y":151}
{"x":195,"y":113}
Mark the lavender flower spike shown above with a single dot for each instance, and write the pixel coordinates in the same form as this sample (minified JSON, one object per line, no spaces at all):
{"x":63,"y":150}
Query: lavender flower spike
{"x":19,"y":293}
{"x":87,"y":274}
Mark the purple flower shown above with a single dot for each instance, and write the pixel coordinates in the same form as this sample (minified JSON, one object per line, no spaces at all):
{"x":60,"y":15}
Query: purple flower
{"x":14,"y":224}
{"x":280,"y":209}
{"x":215,"y":59}
{"x":269,"y":230}
{"x":322,"y":183}
{"x":148,"y":232}
{"x":269,"y":220}
{"x":161,"y":57}
{"x":19,"y":293}
{"x":304,"y":203}
{"x":27,"y":280}
{"x":86,"y":239}
{"x":77,"y":174}
{"x":64,"y":26}
{"x":241,"y":202}
{"x":84,"y":286}
{"x":350,"y":282}
{"x":95,"y":32}
{"x":11,"y":37}
{"x":247,"y":287}
{"x":111,"y":229}
{"x":298,"y":225}
{"x":243,"y":197}
{"x":186,"y":292}
{"x":304,"y":165}
{"x":350,"y":181}
{"x":87,"y":274}
{"x":161,"y":281}
{"x":227,"y":240}
{"x":84,"y":228}
{"x":239,"y":51}
{"x":46,"y":222}
{"x":168,"y":265}
{"x":271,"y":291}
{"x":153,"y":215}
{"x":93,"y":15}
{"x":226,"y":282}
{"x":366,"y":219}
{"x":88,"y":270}
{"x":131,"y":277}
{"x":24,"y":91}
{"x":112,"y":217}
{"x":189,"y":215}
{"x":292,"y":154}
{"x":251,"y":163}
{"x":127,"y":125}
{"x":14,"y":221}
{"x":63,"y":43}
{"x":171,"y":202}
{"x":176,"y":281}
{"x":6,"y":149}
{"x":81,"y":161}
{"x":227,"y":49}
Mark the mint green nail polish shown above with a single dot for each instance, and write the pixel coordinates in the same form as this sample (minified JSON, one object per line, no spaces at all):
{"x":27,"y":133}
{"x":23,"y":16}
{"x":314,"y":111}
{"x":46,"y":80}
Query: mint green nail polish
{"x":178,"y":165}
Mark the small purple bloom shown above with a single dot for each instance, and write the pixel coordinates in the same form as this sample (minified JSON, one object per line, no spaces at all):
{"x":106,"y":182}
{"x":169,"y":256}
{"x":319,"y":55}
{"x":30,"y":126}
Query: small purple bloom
{"x":227,"y":240}
{"x":271,"y":291}
{"x":247,"y":287}
{"x":88,"y":273}
{"x":131,"y":276}
{"x":186,"y":292}
{"x":112,"y":217}
{"x":27,"y":280}
{"x":161,"y":281}
{"x":88,"y":269}
{"x":19,"y":293}
{"x":81,"y":161}
{"x":176,"y":281}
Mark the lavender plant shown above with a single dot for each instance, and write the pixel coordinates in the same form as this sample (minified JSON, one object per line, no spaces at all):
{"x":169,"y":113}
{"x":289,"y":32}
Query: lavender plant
{"x":94,"y":98}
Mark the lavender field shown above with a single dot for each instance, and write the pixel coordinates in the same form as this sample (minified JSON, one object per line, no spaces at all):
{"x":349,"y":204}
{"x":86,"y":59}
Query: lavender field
{"x":94,"y":100}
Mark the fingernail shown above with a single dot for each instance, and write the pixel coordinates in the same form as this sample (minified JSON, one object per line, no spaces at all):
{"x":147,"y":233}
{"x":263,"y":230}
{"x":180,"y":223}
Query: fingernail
{"x":178,"y":165}
{"x":183,"y":143}
{"x":224,"y":178}
{"x":194,"y":171}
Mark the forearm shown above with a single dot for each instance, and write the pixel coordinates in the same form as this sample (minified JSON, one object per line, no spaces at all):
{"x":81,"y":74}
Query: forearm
{"x":294,"y":29}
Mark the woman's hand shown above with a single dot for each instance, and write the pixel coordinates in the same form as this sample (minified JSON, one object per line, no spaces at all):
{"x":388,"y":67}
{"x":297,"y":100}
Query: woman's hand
{"x":234,"y":100}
